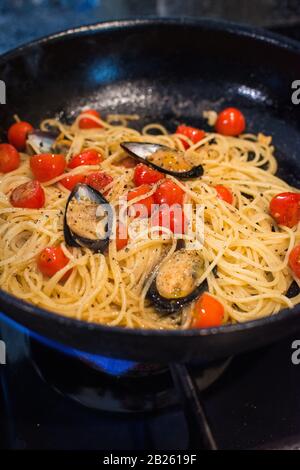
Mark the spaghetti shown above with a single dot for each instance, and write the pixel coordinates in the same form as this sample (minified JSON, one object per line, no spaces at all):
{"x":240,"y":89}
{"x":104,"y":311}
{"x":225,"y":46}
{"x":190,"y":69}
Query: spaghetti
{"x":245,"y":253}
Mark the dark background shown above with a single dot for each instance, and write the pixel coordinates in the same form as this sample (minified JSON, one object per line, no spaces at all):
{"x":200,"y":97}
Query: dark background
{"x":24,"y":20}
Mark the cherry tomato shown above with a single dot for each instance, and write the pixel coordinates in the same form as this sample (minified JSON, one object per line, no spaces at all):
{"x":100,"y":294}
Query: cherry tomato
{"x":285,"y":209}
{"x":28,"y":195}
{"x":231,"y":122}
{"x":169,"y":193}
{"x":86,"y":123}
{"x":172,"y":218}
{"x":224,"y":193}
{"x":17,"y":134}
{"x":87,"y":157}
{"x":127,"y":162}
{"x":194,"y":134}
{"x":9,"y":158}
{"x":143,"y":174}
{"x":47,"y":166}
{"x":294,"y":260}
{"x":208,"y":313}
{"x":51,"y":260}
{"x":121,"y":237}
{"x":146,"y":203}
{"x":98,"y":180}
{"x":70,"y":181}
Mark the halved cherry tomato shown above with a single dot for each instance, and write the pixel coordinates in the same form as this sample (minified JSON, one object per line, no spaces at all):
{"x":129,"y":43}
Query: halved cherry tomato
{"x":127,"y":162}
{"x":98,"y":180}
{"x":143,"y":174}
{"x":231,"y":122}
{"x":17,"y":134}
{"x":121,"y":237}
{"x":51,"y":260}
{"x":294,"y":260}
{"x":9,"y":158}
{"x":208,"y":313}
{"x":285,"y":208}
{"x":86,"y":123}
{"x":47,"y":166}
{"x":194,"y":134}
{"x":169,"y":193}
{"x":87,"y":157}
{"x":224,"y":193}
{"x":28,"y":195}
{"x":145,"y":210}
{"x":172,"y":218}
{"x":70,"y":181}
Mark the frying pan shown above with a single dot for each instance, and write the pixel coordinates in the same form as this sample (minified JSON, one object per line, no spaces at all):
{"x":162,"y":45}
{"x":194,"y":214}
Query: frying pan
{"x":167,"y":71}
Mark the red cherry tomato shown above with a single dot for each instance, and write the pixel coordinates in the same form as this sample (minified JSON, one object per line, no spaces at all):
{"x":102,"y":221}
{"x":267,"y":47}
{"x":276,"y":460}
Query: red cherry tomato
{"x":208,"y":313}
{"x":231,"y":122}
{"x":9,"y":158}
{"x":121,"y":237}
{"x":28,"y":195}
{"x":143,"y":174}
{"x":86,"y":123}
{"x":51,"y":260}
{"x":172,"y":218}
{"x":143,"y":207}
{"x":17,"y":134}
{"x":127,"y":162}
{"x":194,"y":134}
{"x":285,"y":209}
{"x":169,"y":193}
{"x":87,"y":157}
{"x":98,"y":180}
{"x":70,"y":182}
{"x":47,"y":166}
{"x":294,"y":260}
{"x":224,"y":193}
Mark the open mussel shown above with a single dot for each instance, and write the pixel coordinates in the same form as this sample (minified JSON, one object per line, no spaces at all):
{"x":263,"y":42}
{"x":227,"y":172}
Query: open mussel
{"x":165,"y":159}
{"x":176,"y":282}
{"x":41,"y":141}
{"x":88,"y":219}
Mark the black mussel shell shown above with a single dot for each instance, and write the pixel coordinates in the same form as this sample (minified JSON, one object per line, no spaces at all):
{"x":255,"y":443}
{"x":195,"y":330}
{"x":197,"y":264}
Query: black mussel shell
{"x":77,"y":232}
{"x":169,"y":306}
{"x":174,"y":268}
{"x":44,"y":141}
{"x":141,"y":151}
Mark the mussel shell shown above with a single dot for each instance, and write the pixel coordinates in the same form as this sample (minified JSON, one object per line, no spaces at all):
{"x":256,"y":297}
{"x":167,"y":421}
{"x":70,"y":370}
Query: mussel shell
{"x":141,"y":151}
{"x":44,"y":141}
{"x":73,"y":239}
{"x":169,"y":306}
{"x":182,"y":266}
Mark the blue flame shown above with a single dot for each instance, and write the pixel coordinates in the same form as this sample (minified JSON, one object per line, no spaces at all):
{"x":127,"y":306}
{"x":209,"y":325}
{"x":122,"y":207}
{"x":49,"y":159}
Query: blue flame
{"x":114,"y":367}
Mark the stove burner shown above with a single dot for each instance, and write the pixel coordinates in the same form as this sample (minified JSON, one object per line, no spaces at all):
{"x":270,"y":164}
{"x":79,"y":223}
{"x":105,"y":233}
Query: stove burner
{"x":142,"y":388}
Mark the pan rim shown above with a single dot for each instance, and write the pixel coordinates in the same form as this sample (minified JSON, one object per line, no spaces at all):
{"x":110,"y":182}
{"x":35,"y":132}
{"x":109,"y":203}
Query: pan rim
{"x":255,"y":33}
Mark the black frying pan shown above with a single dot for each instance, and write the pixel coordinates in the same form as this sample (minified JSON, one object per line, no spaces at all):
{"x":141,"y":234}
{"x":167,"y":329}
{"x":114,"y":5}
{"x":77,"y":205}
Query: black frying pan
{"x":167,"y":71}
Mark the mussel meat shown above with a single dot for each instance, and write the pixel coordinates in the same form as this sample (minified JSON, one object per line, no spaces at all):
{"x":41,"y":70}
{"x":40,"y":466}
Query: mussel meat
{"x":88,"y":219}
{"x":177,"y":281}
{"x":165,"y":159}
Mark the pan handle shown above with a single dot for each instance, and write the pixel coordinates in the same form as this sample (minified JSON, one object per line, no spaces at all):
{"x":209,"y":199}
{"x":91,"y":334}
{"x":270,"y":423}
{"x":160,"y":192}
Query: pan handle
{"x":200,"y":433}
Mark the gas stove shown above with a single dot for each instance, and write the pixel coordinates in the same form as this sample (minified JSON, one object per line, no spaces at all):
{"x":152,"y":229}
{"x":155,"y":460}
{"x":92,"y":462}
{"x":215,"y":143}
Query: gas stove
{"x":60,"y":399}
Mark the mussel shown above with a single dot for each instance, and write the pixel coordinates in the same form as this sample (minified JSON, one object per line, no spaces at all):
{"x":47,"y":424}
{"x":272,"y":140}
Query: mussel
{"x":177,"y":281}
{"x":165,"y":159}
{"x":41,"y":141}
{"x":88,"y":219}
